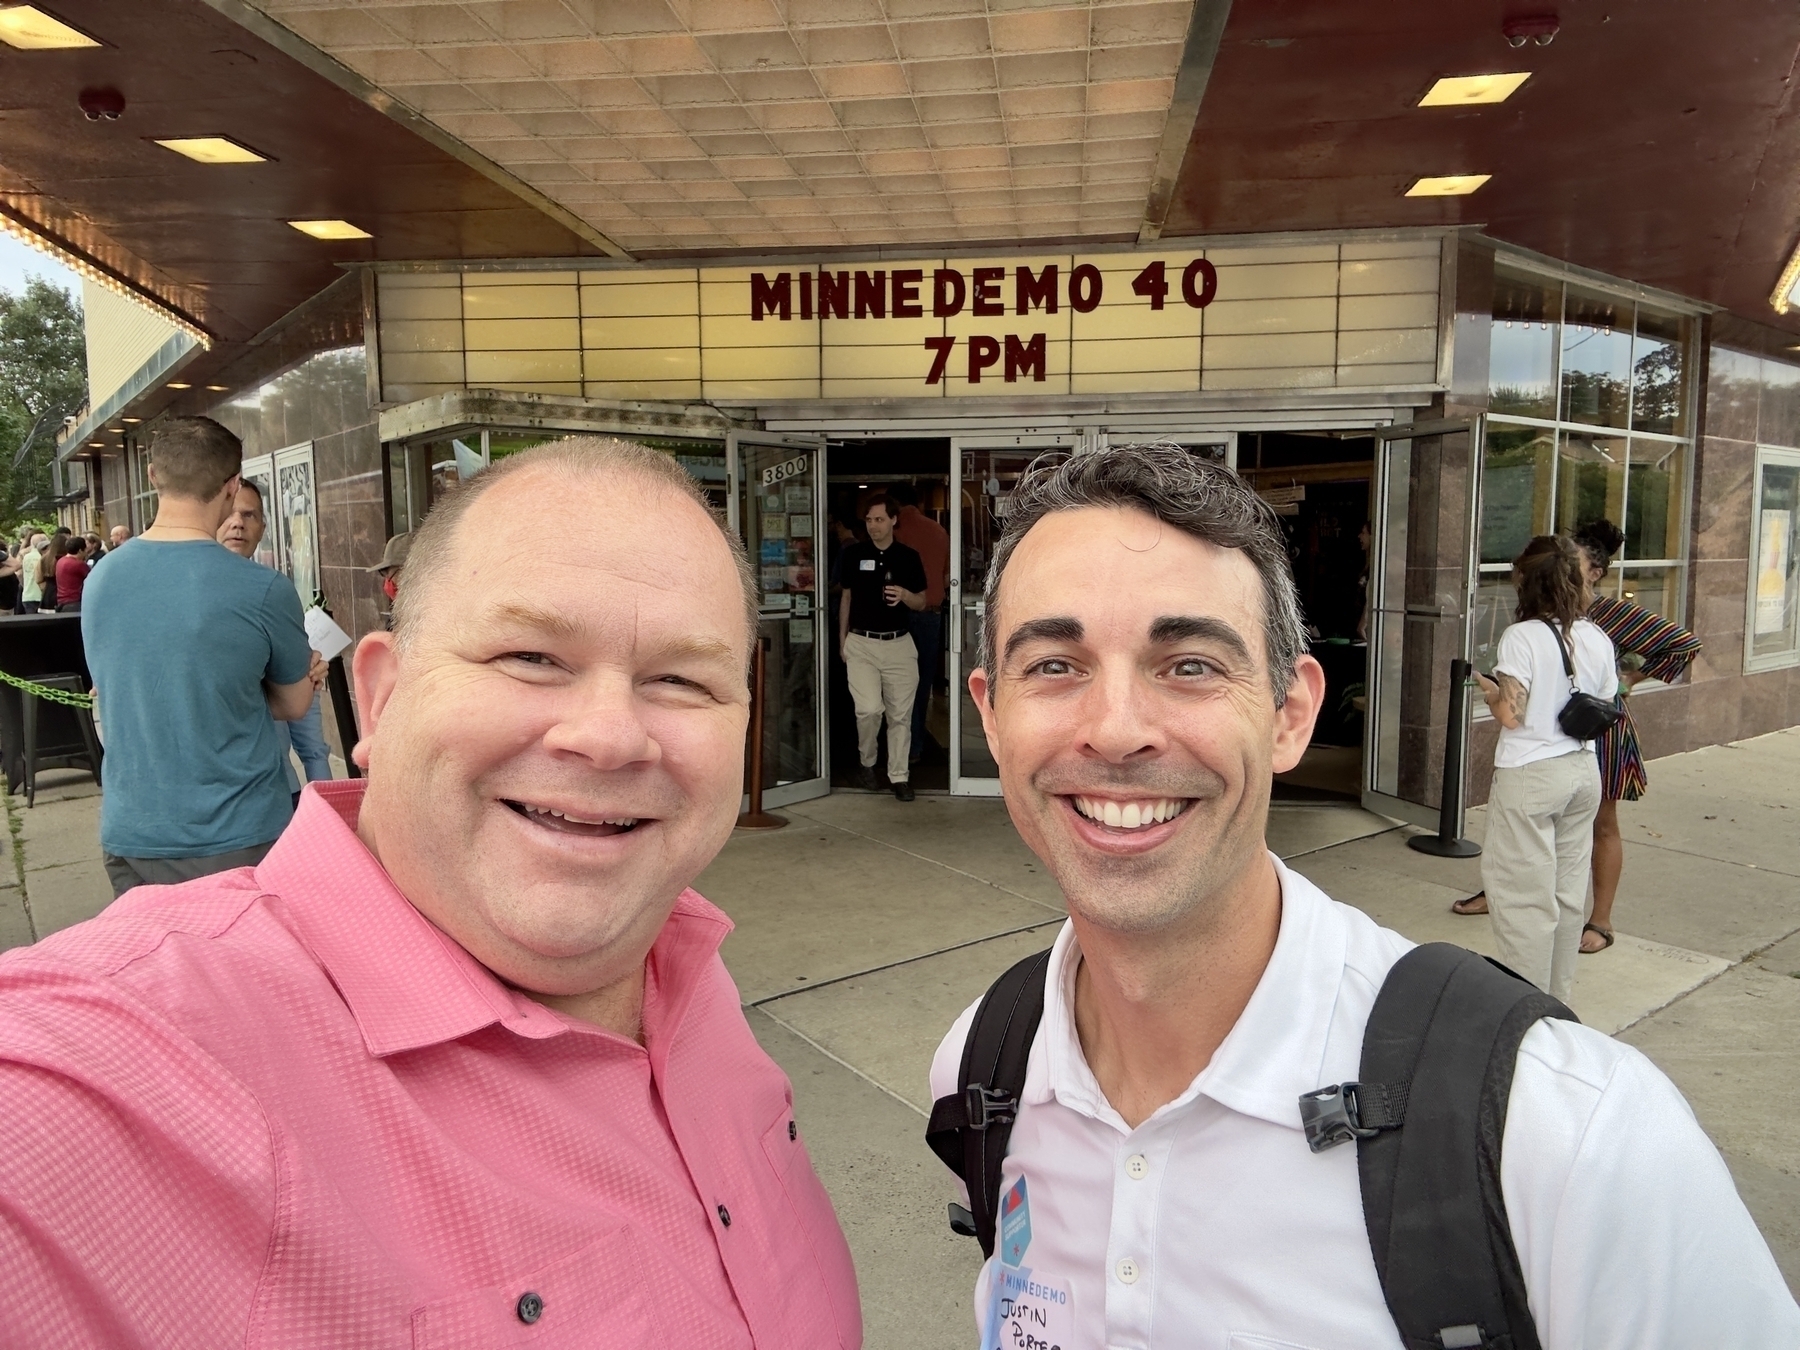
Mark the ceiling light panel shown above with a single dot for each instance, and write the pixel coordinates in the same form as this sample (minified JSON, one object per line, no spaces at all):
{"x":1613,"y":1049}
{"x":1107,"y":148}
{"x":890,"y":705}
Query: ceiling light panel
{"x":1456,"y":91}
{"x":212,"y":150}
{"x":1450,"y":185}
{"x":330,"y":229}
{"x":851,"y":116}
{"x":30,"y":29}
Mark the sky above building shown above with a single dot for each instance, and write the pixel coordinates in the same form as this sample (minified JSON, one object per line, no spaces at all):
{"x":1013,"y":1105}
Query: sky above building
{"x":19,"y":260}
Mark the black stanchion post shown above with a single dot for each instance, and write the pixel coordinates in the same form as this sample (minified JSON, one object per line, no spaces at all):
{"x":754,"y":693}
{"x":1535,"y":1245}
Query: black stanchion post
{"x":343,"y":710}
{"x":1448,"y":841}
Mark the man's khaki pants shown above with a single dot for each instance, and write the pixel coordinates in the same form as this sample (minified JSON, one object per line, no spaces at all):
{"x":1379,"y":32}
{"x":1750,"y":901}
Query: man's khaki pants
{"x":884,"y":676}
{"x":1534,"y":863}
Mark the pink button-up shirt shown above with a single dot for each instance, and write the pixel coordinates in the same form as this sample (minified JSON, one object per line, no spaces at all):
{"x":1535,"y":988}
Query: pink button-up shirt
{"x":278,"y":1107}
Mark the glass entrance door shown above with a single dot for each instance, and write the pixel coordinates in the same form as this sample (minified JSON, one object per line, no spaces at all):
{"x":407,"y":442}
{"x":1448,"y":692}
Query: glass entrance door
{"x":982,"y":474}
{"x":1421,"y":609}
{"x":777,"y":506}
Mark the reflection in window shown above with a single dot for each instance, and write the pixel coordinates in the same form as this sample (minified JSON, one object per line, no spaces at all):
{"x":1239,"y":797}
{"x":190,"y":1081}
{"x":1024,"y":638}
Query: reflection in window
{"x":1515,"y":489}
{"x":1522,"y":356}
{"x":1590,"y":479}
{"x":1652,"y":521}
{"x":1659,"y":373}
{"x":1596,"y":359}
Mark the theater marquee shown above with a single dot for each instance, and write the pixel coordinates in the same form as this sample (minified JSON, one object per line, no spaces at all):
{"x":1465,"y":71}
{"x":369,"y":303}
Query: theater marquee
{"x":1348,"y":315}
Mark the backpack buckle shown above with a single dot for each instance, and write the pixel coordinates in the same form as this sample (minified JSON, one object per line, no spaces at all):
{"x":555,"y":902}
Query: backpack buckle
{"x":1332,"y":1115}
{"x":989,"y":1107}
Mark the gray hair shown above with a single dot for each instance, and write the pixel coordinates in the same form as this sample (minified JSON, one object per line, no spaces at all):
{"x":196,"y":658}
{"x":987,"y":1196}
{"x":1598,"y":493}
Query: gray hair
{"x":593,"y":456}
{"x":1180,"y":488}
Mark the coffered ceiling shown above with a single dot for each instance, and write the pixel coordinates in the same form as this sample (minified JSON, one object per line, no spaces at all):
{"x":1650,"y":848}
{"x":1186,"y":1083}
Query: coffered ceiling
{"x":684,"y":125}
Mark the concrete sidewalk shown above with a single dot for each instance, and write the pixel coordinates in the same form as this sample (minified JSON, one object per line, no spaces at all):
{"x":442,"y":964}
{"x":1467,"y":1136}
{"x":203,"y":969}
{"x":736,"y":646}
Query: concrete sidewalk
{"x":866,"y":926}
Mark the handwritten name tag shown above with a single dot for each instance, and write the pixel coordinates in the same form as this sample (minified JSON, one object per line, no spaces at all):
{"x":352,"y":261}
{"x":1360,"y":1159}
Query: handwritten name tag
{"x":1028,"y":1310}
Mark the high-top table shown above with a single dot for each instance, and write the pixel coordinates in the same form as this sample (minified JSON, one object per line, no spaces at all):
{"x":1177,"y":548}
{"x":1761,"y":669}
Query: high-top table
{"x":33,"y":645}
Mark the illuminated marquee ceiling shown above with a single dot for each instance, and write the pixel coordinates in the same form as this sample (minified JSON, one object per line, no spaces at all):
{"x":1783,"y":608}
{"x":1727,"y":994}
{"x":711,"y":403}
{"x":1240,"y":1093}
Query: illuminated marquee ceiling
{"x":681,"y":125}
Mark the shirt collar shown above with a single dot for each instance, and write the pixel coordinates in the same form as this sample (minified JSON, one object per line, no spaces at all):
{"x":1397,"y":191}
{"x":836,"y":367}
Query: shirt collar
{"x":1276,"y":1050}
{"x":407,"y":983}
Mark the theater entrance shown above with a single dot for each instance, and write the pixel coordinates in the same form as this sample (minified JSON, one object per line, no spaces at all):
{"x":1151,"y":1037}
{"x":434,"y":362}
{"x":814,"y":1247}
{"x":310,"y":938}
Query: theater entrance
{"x":915,"y":473}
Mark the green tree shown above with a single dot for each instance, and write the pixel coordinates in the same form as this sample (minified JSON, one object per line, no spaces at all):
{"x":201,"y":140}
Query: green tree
{"x":43,"y":373}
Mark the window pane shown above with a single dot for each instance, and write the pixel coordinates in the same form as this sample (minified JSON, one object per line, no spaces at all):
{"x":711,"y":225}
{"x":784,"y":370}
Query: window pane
{"x":1657,"y":589}
{"x":1495,"y":601}
{"x":1515,"y":489}
{"x":1773,"y":618}
{"x":1657,"y":483}
{"x":504,"y":443}
{"x":1522,"y":351}
{"x":1590,"y":479}
{"x":1596,"y":359}
{"x":1659,"y":373}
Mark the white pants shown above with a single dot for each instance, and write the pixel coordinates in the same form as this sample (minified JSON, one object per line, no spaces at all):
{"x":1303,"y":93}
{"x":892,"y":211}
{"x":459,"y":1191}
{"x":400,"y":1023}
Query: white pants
{"x":884,"y":677}
{"x":1540,"y":839}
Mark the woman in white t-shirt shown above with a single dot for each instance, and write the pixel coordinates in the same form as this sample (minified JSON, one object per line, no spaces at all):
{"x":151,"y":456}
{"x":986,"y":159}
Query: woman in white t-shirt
{"x":1546,"y":790}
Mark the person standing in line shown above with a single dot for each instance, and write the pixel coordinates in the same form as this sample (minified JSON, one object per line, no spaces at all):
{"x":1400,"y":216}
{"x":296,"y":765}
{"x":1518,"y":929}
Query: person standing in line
{"x":119,"y":535}
{"x":9,"y":580}
{"x":1650,"y":648}
{"x":1546,"y":793}
{"x":47,"y":561}
{"x":193,"y":650}
{"x":242,"y":533}
{"x":931,"y":541}
{"x":883,"y":580}
{"x":393,"y":562}
{"x":71,"y":575}
{"x":31,"y":572}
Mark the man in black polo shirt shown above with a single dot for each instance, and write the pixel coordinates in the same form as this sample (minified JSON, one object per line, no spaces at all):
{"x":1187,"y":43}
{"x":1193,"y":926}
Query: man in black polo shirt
{"x":884,"y":582}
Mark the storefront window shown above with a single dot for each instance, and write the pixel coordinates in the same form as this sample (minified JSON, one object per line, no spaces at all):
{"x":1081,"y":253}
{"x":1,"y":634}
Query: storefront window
{"x":1522,"y":357}
{"x":1590,"y":411}
{"x":1590,"y":479}
{"x":1772,"y":626}
{"x":1596,"y":359}
{"x":1517,"y":471}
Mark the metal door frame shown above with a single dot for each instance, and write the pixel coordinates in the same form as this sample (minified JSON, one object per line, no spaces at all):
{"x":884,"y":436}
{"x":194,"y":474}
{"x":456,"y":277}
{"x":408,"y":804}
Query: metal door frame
{"x":807,"y":788}
{"x":1077,"y":441}
{"x":1475,"y":426}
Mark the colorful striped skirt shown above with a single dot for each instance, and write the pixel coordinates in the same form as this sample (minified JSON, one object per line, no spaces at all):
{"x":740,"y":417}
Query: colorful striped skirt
{"x":1622,"y":776}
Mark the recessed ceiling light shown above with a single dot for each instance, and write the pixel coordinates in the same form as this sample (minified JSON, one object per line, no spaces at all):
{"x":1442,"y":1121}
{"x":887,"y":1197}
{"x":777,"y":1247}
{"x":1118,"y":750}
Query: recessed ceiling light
{"x":30,"y":29}
{"x":217,"y":388}
{"x":177,"y":384}
{"x":96,"y":445}
{"x":212,"y":150}
{"x":1455,"y":90}
{"x":330,"y":229}
{"x":1451,"y":185}
{"x":131,"y":421}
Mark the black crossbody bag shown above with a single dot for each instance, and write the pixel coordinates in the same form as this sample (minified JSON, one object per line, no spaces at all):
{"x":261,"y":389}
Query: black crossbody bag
{"x":1584,"y":716}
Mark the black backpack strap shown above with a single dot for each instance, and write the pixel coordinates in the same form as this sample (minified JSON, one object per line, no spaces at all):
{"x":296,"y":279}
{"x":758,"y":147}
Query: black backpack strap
{"x":1437,"y":1067}
{"x":969,"y":1129}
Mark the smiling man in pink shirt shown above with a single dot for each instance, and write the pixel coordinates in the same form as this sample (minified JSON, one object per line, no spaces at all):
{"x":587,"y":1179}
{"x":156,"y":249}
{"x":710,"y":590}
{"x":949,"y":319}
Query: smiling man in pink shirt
{"x":458,"y":1064}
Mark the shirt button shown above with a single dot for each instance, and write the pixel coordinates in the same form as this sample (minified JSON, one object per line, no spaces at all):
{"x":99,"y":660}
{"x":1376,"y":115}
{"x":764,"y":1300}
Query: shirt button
{"x":1137,"y":1167}
{"x":1128,"y":1271}
{"x":530,"y":1307}
{"x":724,"y":1216}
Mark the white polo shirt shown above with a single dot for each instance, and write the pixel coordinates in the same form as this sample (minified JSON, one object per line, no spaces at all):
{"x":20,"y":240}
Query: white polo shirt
{"x":1212,"y":1226}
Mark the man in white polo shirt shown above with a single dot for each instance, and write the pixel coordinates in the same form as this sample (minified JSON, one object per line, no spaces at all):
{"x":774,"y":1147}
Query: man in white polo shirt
{"x":1143,"y":677}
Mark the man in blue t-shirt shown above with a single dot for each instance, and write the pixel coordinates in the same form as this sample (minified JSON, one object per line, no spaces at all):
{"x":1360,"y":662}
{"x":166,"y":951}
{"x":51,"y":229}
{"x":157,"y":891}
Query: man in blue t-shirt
{"x":192,"y":649}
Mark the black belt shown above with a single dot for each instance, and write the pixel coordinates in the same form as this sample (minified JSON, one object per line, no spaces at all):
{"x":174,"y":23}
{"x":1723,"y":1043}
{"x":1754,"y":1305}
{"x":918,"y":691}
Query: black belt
{"x":881,"y":637}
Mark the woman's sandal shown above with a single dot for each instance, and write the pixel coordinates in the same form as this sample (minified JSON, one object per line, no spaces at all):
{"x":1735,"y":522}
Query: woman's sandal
{"x":1471,"y":904}
{"x":1605,"y":933}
